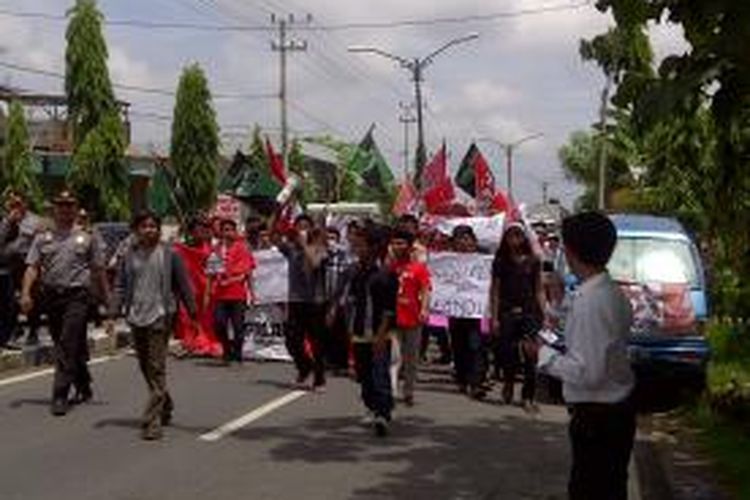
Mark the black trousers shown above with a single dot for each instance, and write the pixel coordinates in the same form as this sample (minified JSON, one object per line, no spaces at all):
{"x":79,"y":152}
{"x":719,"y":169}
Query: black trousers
{"x":67,"y":311}
{"x":373,"y":375}
{"x":231,"y":312}
{"x":307,"y":320}
{"x":441,"y":335}
{"x":601,"y":436}
{"x":510,"y":357}
{"x":466,"y":344}
{"x":9,"y":311}
{"x":337,"y":343}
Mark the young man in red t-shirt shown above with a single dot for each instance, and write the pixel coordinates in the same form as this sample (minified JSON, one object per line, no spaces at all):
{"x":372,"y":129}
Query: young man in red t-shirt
{"x":232,"y":289}
{"x":412,"y":306}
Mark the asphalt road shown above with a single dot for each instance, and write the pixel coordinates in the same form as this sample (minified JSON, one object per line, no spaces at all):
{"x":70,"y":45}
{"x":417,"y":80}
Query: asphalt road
{"x":291,"y":446}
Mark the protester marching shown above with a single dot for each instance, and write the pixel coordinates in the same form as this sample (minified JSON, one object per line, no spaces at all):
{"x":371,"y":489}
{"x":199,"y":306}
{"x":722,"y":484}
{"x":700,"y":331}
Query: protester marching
{"x":351,"y":297}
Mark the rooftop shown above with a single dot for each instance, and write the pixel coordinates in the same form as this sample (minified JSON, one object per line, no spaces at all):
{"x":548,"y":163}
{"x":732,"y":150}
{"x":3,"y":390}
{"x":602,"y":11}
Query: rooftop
{"x":647,"y":224}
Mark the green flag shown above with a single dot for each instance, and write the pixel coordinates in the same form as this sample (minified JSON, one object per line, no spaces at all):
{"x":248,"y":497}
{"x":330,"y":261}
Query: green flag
{"x":250,"y":179}
{"x":465,"y":177}
{"x":370,"y":165}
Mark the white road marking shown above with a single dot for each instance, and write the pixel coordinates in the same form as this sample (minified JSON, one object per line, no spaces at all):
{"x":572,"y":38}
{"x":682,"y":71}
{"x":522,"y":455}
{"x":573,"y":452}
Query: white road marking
{"x":251,"y":417}
{"x":49,"y":371}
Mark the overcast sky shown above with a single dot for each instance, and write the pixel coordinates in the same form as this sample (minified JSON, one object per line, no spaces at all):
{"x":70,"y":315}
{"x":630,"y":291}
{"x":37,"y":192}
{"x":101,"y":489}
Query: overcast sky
{"x":522,"y":76}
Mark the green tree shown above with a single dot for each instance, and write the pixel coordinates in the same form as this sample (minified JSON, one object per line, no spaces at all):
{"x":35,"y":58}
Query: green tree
{"x":580,"y":161}
{"x":195,"y":141}
{"x":311,"y":191}
{"x":696,"y":110}
{"x":98,"y":172}
{"x":17,"y":173}
{"x":100,"y":176}
{"x":87,"y":83}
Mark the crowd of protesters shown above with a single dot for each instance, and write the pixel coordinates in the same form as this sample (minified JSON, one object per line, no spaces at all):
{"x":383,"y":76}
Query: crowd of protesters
{"x":198,"y":289}
{"x":358,"y":299}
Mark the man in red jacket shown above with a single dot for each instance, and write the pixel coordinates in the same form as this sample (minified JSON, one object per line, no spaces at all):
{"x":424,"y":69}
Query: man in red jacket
{"x":233,"y":289}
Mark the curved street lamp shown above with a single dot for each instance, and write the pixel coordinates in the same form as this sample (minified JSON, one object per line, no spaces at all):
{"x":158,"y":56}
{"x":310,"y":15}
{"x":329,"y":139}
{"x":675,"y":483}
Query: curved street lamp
{"x":508,"y":148}
{"x":416,"y":67}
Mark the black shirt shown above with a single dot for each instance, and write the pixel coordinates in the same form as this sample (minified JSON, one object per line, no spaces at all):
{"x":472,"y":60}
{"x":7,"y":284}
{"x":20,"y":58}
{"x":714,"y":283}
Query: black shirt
{"x":371,"y":296}
{"x":518,"y":285}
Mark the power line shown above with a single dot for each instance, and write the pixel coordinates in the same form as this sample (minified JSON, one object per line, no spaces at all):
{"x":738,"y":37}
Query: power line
{"x":408,"y":23}
{"x":133,"y":88}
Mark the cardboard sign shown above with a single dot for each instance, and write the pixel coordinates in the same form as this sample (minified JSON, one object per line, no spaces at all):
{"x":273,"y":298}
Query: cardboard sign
{"x":271,"y":277}
{"x":265,"y":339}
{"x":460,"y":284}
{"x":488,"y":230}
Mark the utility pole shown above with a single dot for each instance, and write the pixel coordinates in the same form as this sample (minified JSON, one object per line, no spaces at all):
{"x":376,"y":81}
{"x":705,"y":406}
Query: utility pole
{"x":416,"y":68}
{"x":407,"y":119}
{"x":545,"y":188}
{"x":283,"y":45}
{"x":602,"y":198}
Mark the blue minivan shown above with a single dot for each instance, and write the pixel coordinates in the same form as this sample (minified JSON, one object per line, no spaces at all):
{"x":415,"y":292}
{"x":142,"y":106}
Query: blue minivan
{"x":652,"y":251}
{"x":658,"y":250}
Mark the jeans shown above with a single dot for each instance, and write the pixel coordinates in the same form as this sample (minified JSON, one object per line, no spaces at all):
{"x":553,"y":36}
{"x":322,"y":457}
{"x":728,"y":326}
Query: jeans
{"x":307,"y":320}
{"x":374,"y":378}
{"x":226,"y":312}
{"x":467,"y":350}
{"x":151,"y":349}
{"x":602,"y":437}
{"x":67,"y":310}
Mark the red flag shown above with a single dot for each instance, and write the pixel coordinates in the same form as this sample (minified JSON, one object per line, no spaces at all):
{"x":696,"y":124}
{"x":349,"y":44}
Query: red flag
{"x":276,"y":163}
{"x":439,"y":196}
{"x":406,"y":200}
{"x":484,"y":183}
{"x":435,"y":171}
{"x":437,"y":188}
{"x":501,"y":202}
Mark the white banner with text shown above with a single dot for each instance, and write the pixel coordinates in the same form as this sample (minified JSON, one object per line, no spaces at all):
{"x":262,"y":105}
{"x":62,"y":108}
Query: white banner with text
{"x":460,"y":284}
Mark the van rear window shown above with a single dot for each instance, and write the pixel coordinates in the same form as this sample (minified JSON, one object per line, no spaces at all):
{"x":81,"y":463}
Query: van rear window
{"x":653,"y":260}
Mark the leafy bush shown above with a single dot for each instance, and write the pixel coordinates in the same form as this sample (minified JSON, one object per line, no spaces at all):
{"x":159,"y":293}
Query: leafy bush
{"x":729,"y":371}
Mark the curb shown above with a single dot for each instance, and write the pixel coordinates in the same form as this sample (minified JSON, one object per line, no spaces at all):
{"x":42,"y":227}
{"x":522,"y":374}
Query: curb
{"x":43,"y":354}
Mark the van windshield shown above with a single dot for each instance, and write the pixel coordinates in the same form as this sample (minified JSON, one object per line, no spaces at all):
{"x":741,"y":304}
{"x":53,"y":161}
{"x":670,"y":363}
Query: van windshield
{"x":654,"y":260}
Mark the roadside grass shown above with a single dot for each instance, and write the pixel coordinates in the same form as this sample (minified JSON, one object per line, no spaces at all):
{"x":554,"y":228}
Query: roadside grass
{"x":722,"y":415}
{"x":726,"y":443}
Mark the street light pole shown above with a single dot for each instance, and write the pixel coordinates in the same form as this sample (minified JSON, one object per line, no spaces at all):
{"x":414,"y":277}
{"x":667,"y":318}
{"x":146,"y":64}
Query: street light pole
{"x":421,"y":157}
{"x":509,"y":148}
{"x":416,"y":67}
{"x":407,"y":119}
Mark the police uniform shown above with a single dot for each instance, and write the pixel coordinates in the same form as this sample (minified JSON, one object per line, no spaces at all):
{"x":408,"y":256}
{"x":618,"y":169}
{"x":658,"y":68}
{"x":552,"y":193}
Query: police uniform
{"x":66,"y":260}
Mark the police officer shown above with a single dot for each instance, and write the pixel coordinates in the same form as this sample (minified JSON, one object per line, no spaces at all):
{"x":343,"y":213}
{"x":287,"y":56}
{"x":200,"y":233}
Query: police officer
{"x":65,"y":259}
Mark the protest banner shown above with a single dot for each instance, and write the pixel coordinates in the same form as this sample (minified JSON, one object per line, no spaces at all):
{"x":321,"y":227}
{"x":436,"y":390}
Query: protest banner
{"x":266,"y":320}
{"x":460,"y":284}
{"x":265,"y":339}
{"x":488,"y":230}
{"x":271,"y":277}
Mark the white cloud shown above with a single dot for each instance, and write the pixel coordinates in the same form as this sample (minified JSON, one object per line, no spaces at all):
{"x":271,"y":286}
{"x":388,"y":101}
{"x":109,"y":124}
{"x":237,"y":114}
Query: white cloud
{"x":523,"y":75}
{"x":482,"y":94}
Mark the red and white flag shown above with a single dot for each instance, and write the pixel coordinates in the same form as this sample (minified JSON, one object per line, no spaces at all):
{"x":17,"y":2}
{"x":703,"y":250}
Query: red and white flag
{"x":407,"y":199}
{"x":484,"y":184}
{"x":437,"y":187}
{"x":275,"y":163}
